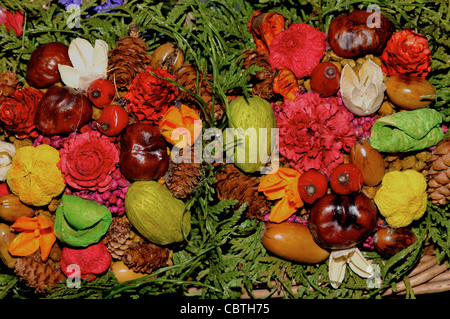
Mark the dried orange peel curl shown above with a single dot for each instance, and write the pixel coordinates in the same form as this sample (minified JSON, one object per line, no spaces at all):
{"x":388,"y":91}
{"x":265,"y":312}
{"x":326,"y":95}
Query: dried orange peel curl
{"x":282,"y":185}
{"x":36,"y":232}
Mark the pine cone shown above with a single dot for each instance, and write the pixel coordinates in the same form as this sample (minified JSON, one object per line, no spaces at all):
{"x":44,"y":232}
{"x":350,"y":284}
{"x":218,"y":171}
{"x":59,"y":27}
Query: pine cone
{"x":145,"y":257}
{"x":186,"y":76}
{"x":8,"y":84}
{"x":118,"y":238}
{"x":262,"y":80}
{"x":438,"y":174}
{"x":233,"y":184}
{"x":127,"y":59}
{"x":38,"y":274}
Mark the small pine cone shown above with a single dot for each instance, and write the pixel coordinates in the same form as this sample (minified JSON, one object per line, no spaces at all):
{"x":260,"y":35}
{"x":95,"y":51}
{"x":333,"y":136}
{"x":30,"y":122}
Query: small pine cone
{"x":262,"y":80}
{"x":118,"y":238}
{"x":233,"y":184}
{"x":438,"y":174}
{"x":127,"y":59}
{"x":183,"y":178}
{"x":38,"y":274}
{"x":8,"y":84}
{"x":145,"y":257}
{"x":186,"y":76}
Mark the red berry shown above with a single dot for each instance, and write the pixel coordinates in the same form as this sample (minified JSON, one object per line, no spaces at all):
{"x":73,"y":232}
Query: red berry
{"x":346,"y":179}
{"x":312,"y":185}
{"x":101,"y":92}
{"x":113,"y":120}
{"x":325,"y":78}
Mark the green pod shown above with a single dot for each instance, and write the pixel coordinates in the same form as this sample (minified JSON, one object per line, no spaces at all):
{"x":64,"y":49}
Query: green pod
{"x":156,"y":214}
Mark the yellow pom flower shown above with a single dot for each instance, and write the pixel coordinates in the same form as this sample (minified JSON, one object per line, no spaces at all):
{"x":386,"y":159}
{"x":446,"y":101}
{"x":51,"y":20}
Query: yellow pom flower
{"x":402,"y":197}
{"x":34,"y":176}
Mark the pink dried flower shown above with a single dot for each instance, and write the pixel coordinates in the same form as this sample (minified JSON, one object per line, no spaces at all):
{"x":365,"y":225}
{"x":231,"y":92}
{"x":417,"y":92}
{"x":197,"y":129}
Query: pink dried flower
{"x":314,"y":132}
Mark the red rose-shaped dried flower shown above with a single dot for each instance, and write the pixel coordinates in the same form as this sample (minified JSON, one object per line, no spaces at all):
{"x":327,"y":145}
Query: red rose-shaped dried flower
{"x":85,"y":262}
{"x":407,"y":52}
{"x":87,"y":161}
{"x":150,"y":97}
{"x":298,"y":48}
{"x":17,"y":112}
{"x":313,"y":132}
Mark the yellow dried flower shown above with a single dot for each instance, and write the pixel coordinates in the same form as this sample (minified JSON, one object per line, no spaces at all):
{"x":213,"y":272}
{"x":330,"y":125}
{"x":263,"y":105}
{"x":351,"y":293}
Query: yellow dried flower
{"x":34,"y":176}
{"x":402,"y":197}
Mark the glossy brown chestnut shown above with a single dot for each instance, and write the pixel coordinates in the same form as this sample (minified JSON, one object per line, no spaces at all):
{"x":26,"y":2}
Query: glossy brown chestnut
{"x":390,"y":240}
{"x":62,"y":110}
{"x":42,"y":68}
{"x":358,"y":33}
{"x":342,"y":221}
{"x":143,"y":154}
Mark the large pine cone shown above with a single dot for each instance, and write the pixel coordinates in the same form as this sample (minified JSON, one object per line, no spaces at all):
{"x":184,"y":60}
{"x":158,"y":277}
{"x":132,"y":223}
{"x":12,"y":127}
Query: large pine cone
{"x":38,"y":274}
{"x":127,"y":59}
{"x":233,"y":184}
{"x":118,"y":238}
{"x":263,"y":79}
{"x":145,"y":257}
{"x":438,"y":174}
{"x":186,"y":76}
{"x":8,"y":84}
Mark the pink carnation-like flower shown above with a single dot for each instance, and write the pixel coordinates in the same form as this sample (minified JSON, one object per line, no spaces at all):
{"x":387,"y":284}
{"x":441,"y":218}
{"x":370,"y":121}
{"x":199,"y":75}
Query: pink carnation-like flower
{"x":314,"y":132}
{"x":87,"y":161}
{"x":298,"y":48}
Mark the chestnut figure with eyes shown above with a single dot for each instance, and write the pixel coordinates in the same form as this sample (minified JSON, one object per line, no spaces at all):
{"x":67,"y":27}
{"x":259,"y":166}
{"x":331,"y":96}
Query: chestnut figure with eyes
{"x":342,"y":221}
{"x":143,"y":153}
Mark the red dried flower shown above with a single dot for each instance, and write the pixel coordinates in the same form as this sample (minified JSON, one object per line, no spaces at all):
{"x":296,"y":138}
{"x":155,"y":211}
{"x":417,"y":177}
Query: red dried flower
{"x":407,"y":52}
{"x":313,"y":132}
{"x":298,"y":48}
{"x":89,"y":261}
{"x":17,"y":112}
{"x":150,"y":97}
{"x":87,"y":161}
{"x":12,"y":21}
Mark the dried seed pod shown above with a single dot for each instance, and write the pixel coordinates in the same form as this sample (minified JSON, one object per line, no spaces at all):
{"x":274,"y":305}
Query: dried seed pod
{"x":369,"y":161}
{"x":390,"y":240}
{"x":6,"y":237}
{"x":11,"y":208}
{"x":168,"y":56}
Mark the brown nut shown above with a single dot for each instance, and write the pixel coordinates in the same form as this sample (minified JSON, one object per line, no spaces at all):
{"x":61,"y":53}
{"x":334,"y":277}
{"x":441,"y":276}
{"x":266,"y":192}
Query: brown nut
{"x":405,"y":91}
{"x":292,"y":241}
{"x":369,"y":161}
{"x":11,"y":208}
{"x":390,"y":240}
{"x":123,"y":273}
{"x":6,"y":237}
{"x":168,"y":57}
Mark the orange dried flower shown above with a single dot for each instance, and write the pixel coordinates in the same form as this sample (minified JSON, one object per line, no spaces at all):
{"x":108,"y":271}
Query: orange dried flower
{"x":285,"y":83}
{"x":264,"y":27}
{"x":283,"y":184}
{"x":178,"y":126}
{"x":37,"y":232}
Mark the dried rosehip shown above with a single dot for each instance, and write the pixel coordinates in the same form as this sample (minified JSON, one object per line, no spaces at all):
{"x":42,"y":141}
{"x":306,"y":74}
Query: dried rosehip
{"x":342,"y":221}
{"x":325,"y":78}
{"x":312,"y":185}
{"x":62,"y":110}
{"x":101,"y":92}
{"x":346,"y":178}
{"x":113,"y":120}
{"x":143,"y":154}
{"x":390,"y":240}
{"x":42,"y":68}
{"x":359,"y":32}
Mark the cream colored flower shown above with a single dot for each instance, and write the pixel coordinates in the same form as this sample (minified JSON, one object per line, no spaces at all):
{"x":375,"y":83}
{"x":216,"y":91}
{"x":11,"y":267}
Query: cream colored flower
{"x":338,"y":262}
{"x":7,"y":151}
{"x":89,"y":63}
{"x":362,"y":94}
